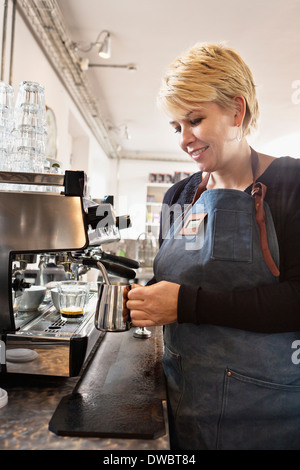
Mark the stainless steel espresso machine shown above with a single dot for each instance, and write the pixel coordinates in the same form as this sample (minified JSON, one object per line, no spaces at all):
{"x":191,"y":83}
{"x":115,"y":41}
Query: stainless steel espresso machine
{"x":69,"y":230}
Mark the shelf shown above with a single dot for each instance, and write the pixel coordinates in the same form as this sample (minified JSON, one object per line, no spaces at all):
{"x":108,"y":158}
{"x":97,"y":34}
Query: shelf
{"x":51,"y":179}
{"x":153,"y":209}
{"x":155,"y":204}
{"x":160,"y":185}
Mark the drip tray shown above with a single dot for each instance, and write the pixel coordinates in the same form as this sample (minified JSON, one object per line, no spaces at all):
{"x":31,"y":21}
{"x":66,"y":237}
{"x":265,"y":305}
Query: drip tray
{"x":48,"y":322}
{"x":120,"y":394}
{"x":55,"y":327}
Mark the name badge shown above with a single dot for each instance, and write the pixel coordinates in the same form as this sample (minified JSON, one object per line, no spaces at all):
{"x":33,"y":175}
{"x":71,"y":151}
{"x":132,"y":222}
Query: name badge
{"x":192,"y":224}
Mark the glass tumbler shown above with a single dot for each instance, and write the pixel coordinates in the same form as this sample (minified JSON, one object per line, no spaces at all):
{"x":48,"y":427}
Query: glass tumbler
{"x":6,"y":122}
{"x":29,"y":133}
{"x":32,"y":93}
{"x":30,"y":115}
{"x":6,"y":101}
{"x":72,"y":298}
{"x":33,"y":139}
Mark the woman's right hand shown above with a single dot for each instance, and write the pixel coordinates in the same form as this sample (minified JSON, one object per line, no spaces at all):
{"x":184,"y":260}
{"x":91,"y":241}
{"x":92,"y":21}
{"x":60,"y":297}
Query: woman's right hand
{"x":153,"y":305}
{"x":126,"y":311}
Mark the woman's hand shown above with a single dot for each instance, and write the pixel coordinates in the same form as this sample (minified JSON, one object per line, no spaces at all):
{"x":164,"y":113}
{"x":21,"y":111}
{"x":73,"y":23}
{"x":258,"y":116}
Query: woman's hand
{"x":154,"y":305}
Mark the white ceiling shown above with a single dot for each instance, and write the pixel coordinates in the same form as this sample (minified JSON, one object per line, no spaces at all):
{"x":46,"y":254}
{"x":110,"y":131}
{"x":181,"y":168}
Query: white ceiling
{"x":151,"y":33}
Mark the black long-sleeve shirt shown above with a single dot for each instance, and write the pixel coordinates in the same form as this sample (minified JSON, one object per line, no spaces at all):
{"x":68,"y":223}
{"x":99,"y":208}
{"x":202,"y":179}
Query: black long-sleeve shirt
{"x":267,"y":309}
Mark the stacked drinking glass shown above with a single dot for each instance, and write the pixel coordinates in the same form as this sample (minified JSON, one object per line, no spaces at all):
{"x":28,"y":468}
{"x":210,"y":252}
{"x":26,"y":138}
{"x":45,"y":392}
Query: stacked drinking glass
{"x":6,"y":123}
{"x":29,"y":136}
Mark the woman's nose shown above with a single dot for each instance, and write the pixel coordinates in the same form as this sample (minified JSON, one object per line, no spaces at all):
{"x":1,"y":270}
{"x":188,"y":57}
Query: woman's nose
{"x":186,"y":137}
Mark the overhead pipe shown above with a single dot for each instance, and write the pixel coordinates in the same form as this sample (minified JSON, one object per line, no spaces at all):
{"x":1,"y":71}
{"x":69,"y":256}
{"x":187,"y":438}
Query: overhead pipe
{"x":4,"y":38}
{"x":12,"y":41}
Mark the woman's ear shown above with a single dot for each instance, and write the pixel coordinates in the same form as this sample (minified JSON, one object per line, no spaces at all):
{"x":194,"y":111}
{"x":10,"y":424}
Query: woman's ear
{"x":240,"y":110}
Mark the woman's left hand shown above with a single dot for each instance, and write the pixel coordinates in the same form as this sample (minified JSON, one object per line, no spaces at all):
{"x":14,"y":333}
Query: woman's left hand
{"x":154,"y":305}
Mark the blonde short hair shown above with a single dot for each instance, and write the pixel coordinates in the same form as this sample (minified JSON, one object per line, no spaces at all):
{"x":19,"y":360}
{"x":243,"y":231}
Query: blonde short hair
{"x":209,"y":73}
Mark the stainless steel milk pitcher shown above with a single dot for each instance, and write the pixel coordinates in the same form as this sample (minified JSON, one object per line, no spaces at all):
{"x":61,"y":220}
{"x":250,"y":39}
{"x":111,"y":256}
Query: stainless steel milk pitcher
{"x":109,"y":311}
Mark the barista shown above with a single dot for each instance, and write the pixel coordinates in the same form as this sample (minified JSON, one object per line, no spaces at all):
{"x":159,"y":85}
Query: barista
{"x":229,"y":293}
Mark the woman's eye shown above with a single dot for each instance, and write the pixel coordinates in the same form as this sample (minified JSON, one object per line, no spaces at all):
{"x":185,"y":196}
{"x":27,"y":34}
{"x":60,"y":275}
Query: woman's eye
{"x":177,"y":129}
{"x":194,"y":122}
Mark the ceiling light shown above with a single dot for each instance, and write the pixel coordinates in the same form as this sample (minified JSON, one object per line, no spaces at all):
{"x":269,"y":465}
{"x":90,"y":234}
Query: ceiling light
{"x":105,"y":46}
{"x":103,"y":41}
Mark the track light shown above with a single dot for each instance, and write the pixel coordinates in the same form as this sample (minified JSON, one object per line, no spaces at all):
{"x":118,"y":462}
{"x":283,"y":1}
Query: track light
{"x":105,"y":46}
{"x":103,"y":41}
{"x":84,"y":64}
{"x":130,"y":67}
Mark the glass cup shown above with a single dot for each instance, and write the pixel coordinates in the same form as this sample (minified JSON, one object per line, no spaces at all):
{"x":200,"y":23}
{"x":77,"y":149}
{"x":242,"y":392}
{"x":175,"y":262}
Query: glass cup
{"x":30,"y":115}
{"x":6,"y":95}
{"x":6,"y":117}
{"x":6,"y":122}
{"x":32,"y":93}
{"x":26,"y":160}
{"x":31,"y":138}
{"x":29,"y":135}
{"x":30,"y":108}
{"x":72,"y":298}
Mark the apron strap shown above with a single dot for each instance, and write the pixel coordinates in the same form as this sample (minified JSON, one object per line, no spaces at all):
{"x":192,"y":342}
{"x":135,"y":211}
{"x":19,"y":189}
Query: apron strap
{"x":258,"y":192}
{"x":201,"y":188}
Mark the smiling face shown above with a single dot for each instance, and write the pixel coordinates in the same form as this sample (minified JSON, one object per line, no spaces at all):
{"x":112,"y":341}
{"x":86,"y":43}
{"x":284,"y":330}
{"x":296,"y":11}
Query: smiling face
{"x":208,"y":135}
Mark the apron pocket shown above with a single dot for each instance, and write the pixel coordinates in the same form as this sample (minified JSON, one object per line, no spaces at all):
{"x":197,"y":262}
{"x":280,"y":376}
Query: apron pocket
{"x":232,"y":235}
{"x":172,"y":368}
{"x":258,"y":415}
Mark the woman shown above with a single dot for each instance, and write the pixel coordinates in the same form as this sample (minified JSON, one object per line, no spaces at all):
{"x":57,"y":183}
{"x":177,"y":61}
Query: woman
{"x":227,"y":289}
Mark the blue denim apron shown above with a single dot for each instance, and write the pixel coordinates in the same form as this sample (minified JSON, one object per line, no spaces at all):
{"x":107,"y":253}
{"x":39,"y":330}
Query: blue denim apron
{"x":227,"y":388}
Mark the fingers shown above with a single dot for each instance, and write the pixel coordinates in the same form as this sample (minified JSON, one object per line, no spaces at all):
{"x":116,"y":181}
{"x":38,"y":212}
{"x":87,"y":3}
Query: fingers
{"x":142,"y":322}
{"x":137,"y":304}
{"x":126,"y":307}
{"x":134,"y":304}
{"x":134,"y":286}
{"x":137,"y":292}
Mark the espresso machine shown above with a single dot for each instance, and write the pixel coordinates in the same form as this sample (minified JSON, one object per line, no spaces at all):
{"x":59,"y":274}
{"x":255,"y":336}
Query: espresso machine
{"x":70,"y":231}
